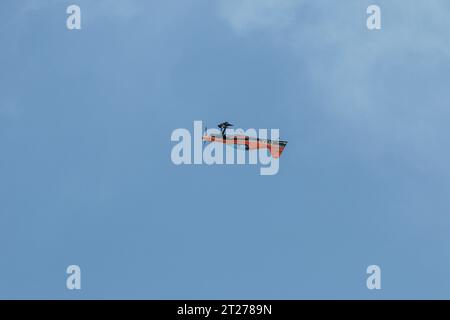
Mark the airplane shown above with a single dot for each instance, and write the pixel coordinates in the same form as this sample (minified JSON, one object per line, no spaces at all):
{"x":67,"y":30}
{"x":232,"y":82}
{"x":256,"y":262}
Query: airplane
{"x":275,"y":147}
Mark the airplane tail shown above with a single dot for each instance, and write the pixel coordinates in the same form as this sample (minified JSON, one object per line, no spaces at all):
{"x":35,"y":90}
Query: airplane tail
{"x":276,"y":148}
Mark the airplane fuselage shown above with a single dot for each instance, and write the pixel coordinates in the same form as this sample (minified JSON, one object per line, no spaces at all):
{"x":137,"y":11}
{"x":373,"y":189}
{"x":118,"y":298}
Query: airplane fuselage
{"x":275,"y":147}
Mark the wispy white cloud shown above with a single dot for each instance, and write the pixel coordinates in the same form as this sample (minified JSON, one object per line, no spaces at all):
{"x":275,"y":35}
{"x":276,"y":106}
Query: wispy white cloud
{"x":387,"y":85}
{"x":248,"y":15}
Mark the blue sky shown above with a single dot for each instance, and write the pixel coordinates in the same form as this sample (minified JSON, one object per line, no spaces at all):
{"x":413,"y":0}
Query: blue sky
{"x":85,"y":170}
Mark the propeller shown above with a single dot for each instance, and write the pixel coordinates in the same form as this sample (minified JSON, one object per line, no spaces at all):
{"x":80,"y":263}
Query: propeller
{"x":205,"y":131}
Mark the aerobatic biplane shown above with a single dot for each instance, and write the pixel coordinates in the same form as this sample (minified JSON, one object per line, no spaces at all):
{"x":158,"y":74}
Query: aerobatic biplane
{"x":275,"y":147}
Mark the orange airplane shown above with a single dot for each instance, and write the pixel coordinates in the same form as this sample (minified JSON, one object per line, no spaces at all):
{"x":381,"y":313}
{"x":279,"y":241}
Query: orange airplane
{"x":275,"y":147}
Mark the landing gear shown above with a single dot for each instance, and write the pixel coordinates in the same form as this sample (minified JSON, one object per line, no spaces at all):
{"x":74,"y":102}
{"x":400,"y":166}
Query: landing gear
{"x":223,"y":127}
